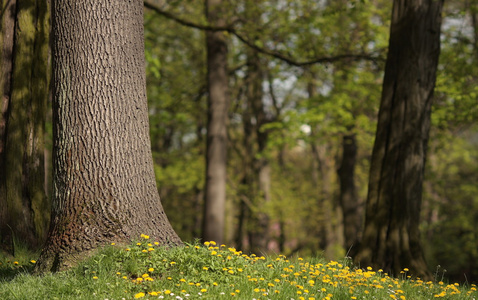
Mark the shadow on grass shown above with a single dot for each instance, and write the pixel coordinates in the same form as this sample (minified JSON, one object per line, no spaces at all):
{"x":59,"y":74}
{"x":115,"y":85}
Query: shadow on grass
{"x":11,"y":267}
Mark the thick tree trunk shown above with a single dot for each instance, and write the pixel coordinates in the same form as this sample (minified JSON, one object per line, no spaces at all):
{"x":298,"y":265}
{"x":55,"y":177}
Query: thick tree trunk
{"x":351,"y":213}
{"x":391,"y":238}
{"x":104,"y":184}
{"x":218,"y":103}
{"x":24,"y":209}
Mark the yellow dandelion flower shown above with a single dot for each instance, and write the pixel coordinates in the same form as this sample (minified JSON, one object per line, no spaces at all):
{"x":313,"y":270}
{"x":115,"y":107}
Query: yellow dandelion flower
{"x":33,"y":261}
{"x":151,"y":270}
{"x":144,"y":236}
{"x":203,"y":290}
{"x":95,"y":277}
{"x":139,"y":295}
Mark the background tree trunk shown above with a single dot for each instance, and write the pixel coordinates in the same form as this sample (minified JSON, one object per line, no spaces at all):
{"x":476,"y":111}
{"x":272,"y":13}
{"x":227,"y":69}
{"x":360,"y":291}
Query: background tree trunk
{"x":348,"y":194}
{"x":391,"y":238}
{"x":218,"y":103}
{"x":24,"y":209}
{"x":258,"y":230}
{"x":104,"y":185}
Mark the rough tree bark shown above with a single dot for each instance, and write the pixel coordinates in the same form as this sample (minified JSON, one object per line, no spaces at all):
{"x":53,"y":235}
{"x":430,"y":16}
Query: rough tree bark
{"x":24,"y":209}
{"x":218,"y":103}
{"x":104,"y":186}
{"x":391,"y":239}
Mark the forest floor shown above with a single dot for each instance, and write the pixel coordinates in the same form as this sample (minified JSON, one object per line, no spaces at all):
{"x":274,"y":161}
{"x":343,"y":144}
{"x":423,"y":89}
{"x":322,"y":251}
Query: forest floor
{"x":209,"y":271}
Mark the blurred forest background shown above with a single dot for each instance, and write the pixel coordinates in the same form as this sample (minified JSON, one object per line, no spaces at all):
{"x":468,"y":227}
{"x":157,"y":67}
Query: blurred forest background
{"x":304,"y":82}
{"x":309,"y":120}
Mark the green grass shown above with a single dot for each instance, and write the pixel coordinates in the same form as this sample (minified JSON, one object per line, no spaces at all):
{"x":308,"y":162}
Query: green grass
{"x":146,"y":271}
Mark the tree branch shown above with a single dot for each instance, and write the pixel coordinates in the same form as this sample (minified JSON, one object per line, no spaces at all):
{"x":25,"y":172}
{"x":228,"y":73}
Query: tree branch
{"x":374,"y":57}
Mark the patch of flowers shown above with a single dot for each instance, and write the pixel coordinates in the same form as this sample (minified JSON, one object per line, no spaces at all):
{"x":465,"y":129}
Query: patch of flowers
{"x":216,"y":271}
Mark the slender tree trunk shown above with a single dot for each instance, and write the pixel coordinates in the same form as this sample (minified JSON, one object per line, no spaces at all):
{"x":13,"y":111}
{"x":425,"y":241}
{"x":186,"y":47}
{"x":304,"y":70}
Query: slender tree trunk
{"x":24,"y":209}
{"x":352,"y":215}
{"x":104,"y":188}
{"x":218,"y":103}
{"x":260,"y":181}
{"x":391,"y":238}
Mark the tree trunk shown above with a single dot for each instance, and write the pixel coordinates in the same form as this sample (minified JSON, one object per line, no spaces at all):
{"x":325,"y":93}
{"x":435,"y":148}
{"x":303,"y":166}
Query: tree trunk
{"x":104,"y":187}
{"x":218,"y":102}
{"x":24,"y":209}
{"x":391,"y":239}
{"x":352,"y":219}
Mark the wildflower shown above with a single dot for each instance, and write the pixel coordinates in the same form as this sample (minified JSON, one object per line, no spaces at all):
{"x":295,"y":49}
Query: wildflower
{"x":144,"y":236}
{"x":151,"y":270}
{"x":112,"y":244}
{"x":95,"y":277}
{"x":33,"y":261}
{"x":203,"y":290}
{"x":15,"y":262}
{"x":139,"y":295}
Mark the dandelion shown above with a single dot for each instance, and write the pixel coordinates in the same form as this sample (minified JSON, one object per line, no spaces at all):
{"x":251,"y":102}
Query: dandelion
{"x":95,"y":277}
{"x":33,"y":261}
{"x":139,"y":295}
{"x":144,"y":236}
{"x":151,"y":270}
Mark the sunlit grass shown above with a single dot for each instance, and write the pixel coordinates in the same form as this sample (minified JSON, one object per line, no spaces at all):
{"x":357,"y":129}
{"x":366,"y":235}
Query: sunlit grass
{"x":144,"y":270}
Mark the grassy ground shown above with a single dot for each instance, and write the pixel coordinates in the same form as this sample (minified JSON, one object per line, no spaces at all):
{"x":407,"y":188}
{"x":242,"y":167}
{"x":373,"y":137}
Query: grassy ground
{"x":209,"y":271}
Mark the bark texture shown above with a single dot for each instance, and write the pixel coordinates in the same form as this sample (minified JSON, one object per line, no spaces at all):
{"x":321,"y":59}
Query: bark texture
{"x":391,"y":239}
{"x":218,"y":103}
{"x":104,"y":186}
{"x":24,"y":209}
